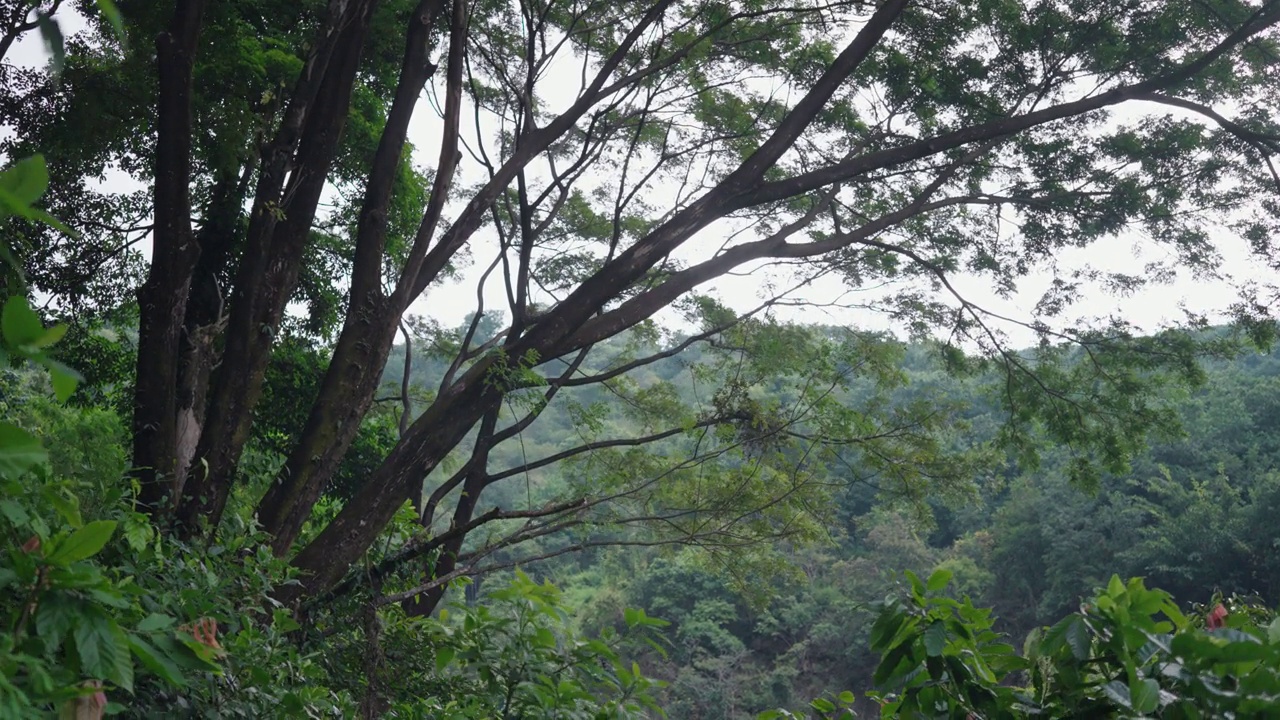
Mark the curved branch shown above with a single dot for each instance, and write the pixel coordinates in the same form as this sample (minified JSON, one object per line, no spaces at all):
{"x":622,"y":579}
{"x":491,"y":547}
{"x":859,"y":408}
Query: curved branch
{"x":1266,"y":17}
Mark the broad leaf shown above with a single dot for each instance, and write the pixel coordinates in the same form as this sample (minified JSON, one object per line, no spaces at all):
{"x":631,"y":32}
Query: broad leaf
{"x":19,"y":323}
{"x":938,"y":580}
{"x":84,"y":543}
{"x":156,"y":661}
{"x":112,"y":14}
{"x":19,"y":451}
{"x":24,"y":183}
{"x":96,"y":638}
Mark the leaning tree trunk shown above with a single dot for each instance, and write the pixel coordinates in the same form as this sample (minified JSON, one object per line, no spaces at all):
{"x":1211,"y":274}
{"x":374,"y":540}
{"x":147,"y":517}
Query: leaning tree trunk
{"x":355,"y":370}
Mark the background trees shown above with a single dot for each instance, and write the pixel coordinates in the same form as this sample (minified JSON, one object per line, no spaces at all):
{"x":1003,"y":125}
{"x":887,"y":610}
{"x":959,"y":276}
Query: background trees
{"x":584,"y":155}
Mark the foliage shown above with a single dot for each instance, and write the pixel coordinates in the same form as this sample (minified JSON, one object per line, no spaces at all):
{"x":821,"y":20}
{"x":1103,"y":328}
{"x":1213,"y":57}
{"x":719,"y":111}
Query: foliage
{"x":97,"y":604}
{"x":264,"y":150}
{"x":1128,"y":652}
{"x":1192,"y":515}
{"x":71,"y":628}
{"x":514,"y":655}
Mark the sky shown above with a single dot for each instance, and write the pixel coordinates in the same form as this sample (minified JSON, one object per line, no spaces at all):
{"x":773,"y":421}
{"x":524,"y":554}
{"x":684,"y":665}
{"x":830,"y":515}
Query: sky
{"x":1152,"y":308}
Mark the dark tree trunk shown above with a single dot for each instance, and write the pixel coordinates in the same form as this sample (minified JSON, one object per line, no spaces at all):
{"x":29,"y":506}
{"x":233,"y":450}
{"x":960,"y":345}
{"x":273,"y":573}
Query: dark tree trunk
{"x":325,"y":560}
{"x":476,"y":479}
{"x":278,"y":235}
{"x":372,"y":319}
{"x":162,"y":300}
{"x":349,"y":535}
{"x":205,"y":320}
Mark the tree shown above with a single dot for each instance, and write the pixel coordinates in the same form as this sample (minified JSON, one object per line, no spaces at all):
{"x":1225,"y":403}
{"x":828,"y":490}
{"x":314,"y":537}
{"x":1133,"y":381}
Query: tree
{"x":897,"y":142}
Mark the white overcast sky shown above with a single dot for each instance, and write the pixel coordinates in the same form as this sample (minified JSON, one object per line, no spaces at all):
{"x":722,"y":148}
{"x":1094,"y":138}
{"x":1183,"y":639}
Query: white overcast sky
{"x":1150,"y":309}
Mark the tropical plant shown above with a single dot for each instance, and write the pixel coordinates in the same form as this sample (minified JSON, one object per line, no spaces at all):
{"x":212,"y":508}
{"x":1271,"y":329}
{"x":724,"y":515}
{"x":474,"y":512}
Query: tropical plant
{"x":1128,"y":652}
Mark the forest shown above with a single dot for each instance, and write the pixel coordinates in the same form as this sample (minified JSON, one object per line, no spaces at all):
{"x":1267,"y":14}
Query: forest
{"x":656,"y":358}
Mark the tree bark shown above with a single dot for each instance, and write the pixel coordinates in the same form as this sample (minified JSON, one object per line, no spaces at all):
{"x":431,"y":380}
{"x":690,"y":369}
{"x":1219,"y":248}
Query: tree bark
{"x":476,"y":479}
{"x":205,"y":320}
{"x":368,"y":332}
{"x":162,"y":300}
{"x":324,"y":561}
{"x":327,"y":558}
{"x":278,"y":234}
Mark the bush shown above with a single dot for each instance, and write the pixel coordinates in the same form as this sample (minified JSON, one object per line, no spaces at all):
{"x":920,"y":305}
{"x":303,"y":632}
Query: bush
{"x":1128,"y":652}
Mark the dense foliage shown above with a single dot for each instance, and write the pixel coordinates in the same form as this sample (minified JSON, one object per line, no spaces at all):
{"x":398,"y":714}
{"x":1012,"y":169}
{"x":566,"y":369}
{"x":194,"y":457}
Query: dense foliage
{"x":229,"y":492}
{"x":736,"y":640}
{"x":1192,"y":514}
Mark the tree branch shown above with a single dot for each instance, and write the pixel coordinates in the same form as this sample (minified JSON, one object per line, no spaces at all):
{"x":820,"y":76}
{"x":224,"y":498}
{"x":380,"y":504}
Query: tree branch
{"x":1266,"y":17}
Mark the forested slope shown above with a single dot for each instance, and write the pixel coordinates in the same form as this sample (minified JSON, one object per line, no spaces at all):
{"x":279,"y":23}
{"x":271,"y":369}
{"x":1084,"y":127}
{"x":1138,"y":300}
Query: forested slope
{"x":1194,"y":515}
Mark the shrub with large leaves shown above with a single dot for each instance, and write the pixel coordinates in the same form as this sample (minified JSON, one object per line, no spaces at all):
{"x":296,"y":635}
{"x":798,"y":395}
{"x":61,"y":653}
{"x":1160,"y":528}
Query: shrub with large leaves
{"x":1128,"y":652}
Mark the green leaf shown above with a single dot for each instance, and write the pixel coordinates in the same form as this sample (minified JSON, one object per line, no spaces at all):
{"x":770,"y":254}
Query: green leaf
{"x":64,"y":380}
{"x":1079,"y":639}
{"x":1244,"y":652}
{"x":917,"y":587}
{"x":155,"y":661}
{"x":886,"y":627}
{"x":292,"y":704}
{"x":57,"y":615}
{"x":1115,"y":588}
{"x":68,"y":507}
{"x":24,"y":183}
{"x":110,"y":597}
{"x":137,"y":531}
{"x":14,"y":513}
{"x":50,"y":336}
{"x":823,"y":705}
{"x":112,"y":14}
{"x":154,"y":622}
{"x":543,"y":637}
{"x":938,"y":580}
{"x":1144,"y":695}
{"x":96,"y":643}
{"x":283,"y":622}
{"x":20,"y":186}
{"x":846,"y":697}
{"x":444,"y":656}
{"x":1118,"y":693}
{"x":181,"y":655}
{"x":935,"y":638}
{"x":19,"y":323}
{"x":84,"y":543}
{"x":19,"y":451}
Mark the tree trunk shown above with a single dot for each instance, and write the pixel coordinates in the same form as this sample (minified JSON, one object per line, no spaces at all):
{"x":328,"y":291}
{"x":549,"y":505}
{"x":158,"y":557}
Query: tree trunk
{"x":325,"y":560}
{"x":355,"y":371}
{"x":349,"y":535}
{"x":477,"y":479}
{"x":205,"y":321}
{"x":162,"y":300}
{"x":279,"y":232}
